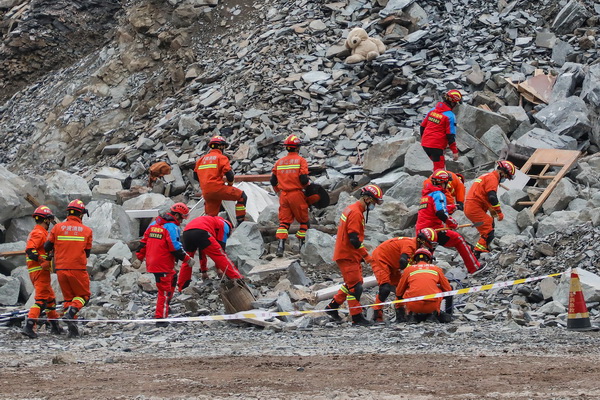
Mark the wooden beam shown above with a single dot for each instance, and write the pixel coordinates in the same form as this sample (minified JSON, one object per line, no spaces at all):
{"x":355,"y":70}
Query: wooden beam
{"x":252,"y":178}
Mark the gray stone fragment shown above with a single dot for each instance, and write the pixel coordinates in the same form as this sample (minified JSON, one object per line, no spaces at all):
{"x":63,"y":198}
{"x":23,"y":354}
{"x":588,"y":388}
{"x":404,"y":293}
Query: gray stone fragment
{"x":407,"y":189}
{"x":284,"y":304}
{"x":552,"y":308}
{"x":19,"y":229}
{"x":246,"y":241}
{"x":297,"y":276}
{"x":387,"y":154}
{"x":542,"y":139}
{"x":545,"y":39}
{"x":63,"y":188}
{"x":556,"y":222}
{"x":547,"y":287}
{"x":562,"y":52}
{"x":395,"y":7}
{"x":416,"y":161}
{"x":22,"y":274}
{"x":318,"y":249}
{"x":570,"y":77}
{"x":570,"y":17}
{"x":9,"y":290}
{"x":525,"y":218}
{"x":516,"y":115}
{"x":566,"y":117}
{"x":476,"y":121}
{"x":590,"y":90}
{"x":512,"y":197}
{"x":188,"y":125}
{"x":590,"y":286}
{"x":109,"y":223}
{"x":560,"y":197}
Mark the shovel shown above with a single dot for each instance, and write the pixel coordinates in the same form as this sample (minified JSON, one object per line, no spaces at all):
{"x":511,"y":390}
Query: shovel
{"x":474,"y":225}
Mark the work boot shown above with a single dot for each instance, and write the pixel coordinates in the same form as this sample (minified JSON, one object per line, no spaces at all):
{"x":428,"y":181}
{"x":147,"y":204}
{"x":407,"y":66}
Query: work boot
{"x":300,"y":244}
{"x":360,"y":320}
{"x":433,"y":317}
{"x":400,"y":315}
{"x":477,"y":254}
{"x":332,"y":311}
{"x":411,"y":318}
{"x":28,"y":329}
{"x":69,"y":316}
{"x":378,"y":316}
{"x":55,"y":327}
{"x":445,"y":317}
{"x":280,"y":248}
{"x":162,"y":324}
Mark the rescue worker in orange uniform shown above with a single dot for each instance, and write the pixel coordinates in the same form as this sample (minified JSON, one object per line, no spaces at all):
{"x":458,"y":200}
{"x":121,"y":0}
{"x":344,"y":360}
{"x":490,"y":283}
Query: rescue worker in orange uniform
{"x":434,"y":213}
{"x":482,"y":197}
{"x":289,"y":176}
{"x":454,"y":191}
{"x":39,"y":268}
{"x":438,"y":130}
{"x":350,"y":251}
{"x":420,"y":279}
{"x":161,"y":247}
{"x":210,"y":170}
{"x":389,"y":259}
{"x":71,"y":242}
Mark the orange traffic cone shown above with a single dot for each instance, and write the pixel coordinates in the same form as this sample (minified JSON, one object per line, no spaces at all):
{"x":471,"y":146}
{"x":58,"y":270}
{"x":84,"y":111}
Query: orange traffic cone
{"x":578,"y":318}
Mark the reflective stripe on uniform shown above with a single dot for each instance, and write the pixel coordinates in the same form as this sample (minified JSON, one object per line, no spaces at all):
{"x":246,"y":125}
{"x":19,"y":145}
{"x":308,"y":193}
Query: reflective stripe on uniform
{"x":71,"y":238}
{"x":207,"y":166}
{"x":290,"y":166}
{"x":427,"y":271}
{"x":343,"y":217}
{"x":34,"y":269}
{"x":79,"y":299}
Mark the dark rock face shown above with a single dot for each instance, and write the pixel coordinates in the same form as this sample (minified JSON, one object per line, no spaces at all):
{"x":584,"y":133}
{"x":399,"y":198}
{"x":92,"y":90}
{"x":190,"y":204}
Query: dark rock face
{"x":48,"y":34}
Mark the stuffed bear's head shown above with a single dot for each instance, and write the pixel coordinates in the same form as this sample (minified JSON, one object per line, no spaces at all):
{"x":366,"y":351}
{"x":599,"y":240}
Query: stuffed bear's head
{"x":356,"y":36}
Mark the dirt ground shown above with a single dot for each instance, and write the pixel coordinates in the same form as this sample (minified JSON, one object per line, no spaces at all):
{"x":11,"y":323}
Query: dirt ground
{"x":418,"y":377}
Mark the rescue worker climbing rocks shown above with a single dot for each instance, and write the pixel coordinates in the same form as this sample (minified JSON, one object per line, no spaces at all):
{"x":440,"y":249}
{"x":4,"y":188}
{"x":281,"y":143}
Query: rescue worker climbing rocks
{"x":207,"y":235}
{"x":38,"y":266}
{"x":433,"y":213}
{"x":161,"y":247}
{"x":455,"y":190}
{"x":438,"y":130}
{"x":350,"y":251}
{"x":71,"y":242}
{"x":483,"y":196}
{"x":420,"y":279}
{"x":389,"y":259}
{"x":210,"y":170}
{"x":289,"y":176}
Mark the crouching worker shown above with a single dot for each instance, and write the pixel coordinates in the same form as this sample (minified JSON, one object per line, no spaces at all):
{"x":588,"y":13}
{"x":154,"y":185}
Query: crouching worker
{"x":161,"y":247}
{"x":389,"y":259}
{"x":420,"y":279}
{"x":207,"y":235}
{"x":38,"y":266}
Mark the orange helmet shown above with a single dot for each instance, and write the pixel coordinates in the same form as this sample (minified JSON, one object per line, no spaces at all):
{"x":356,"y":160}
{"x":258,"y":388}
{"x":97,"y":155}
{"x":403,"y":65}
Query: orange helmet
{"x":453,"y":96}
{"x":292,"y":141}
{"x":427,"y":237}
{"x":373,"y":191}
{"x":440,"y":177}
{"x":181,"y":209}
{"x":217,"y":141}
{"x":508,"y":168}
{"x":76,"y":205}
{"x":423,"y":253}
{"x":43,"y":212}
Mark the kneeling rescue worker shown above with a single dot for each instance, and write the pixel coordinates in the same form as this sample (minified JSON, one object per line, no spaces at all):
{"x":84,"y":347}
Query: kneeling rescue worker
{"x":38,"y":266}
{"x":71,"y":242}
{"x":288,"y":178}
{"x":420,"y":279}
{"x":482,"y":197}
{"x":350,"y":251}
{"x":162,"y":248}
{"x":389,"y":259}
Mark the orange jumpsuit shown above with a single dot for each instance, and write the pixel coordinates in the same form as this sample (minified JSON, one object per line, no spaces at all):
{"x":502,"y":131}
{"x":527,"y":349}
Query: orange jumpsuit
{"x":292,"y":202}
{"x":478,"y":204}
{"x":210,"y":169}
{"x":455,"y":190}
{"x":348,"y":258}
{"x":40,"y":277}
{"x":72,"y":242}
{"x":419,"y":280}
{"x":386,"y":262}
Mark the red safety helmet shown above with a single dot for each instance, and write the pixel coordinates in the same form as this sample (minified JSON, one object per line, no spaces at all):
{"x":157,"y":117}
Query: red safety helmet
{"x":181,"y":209}
{"x":440,"y":177}
{"x":43,"y":212}
{"x":427,"y":237}
{"x":216,"y":141}
{"x":373,"y":191}
{"x":423,"y":253}
{"x":508,"y":168}
{"x":292,"y":141}
{"x":453,"y":96}
{"x":76,"y":205}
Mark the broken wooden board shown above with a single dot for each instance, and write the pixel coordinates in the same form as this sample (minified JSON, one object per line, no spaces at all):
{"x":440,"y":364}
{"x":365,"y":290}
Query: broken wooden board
{"x":548,"y":158}
{"x":519,"y":182}
{"x":537,"y":89}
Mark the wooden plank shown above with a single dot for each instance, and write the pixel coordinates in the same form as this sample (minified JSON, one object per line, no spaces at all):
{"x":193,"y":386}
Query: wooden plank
{"x":328,"y":293}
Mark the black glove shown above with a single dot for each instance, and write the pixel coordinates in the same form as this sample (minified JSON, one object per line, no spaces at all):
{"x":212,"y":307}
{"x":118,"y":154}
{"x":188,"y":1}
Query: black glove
{"x":460,"y":205}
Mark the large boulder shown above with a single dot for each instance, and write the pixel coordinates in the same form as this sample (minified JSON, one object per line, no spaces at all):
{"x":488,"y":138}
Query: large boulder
{"x":110,"y":223}
{"x":8,"y":263}
{"x":590,"y":90}
{"x":564,"y":192}
{"x":590,"y":286}
{"x":570,"y":17}
{"x":318,"y":249}
{"x":246,"y":242}
{"x":22,"y":273}
{"x":570,"y":77}
{"x":19,"y":229}
{"x":566,"y":117}
{"x":62,"y":188}
{"x":476,"y":121}
{"x":407,"y":189}
{"x":539,"y":138}
{"x":10,"y":287}
{"x":12,"y":202}
{"x":387,"y":154}
{"x":556,"y":222}
{"x":416,"y":161}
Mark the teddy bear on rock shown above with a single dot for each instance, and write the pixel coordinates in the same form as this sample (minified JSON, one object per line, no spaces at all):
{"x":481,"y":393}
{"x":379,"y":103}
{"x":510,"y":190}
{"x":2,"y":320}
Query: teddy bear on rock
{"x":362,"y":47}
